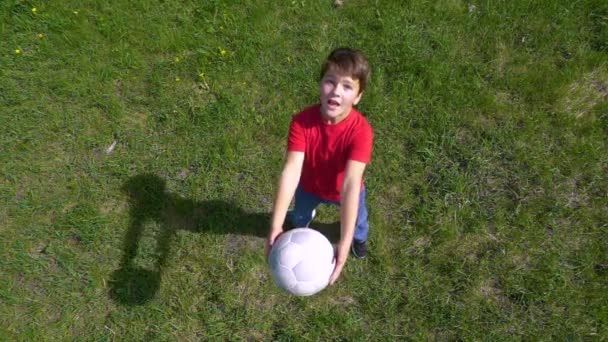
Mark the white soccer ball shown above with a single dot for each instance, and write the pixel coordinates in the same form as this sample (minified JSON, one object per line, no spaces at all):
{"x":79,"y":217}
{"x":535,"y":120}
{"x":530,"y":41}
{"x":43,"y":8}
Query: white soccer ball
{"x":301,"y":261}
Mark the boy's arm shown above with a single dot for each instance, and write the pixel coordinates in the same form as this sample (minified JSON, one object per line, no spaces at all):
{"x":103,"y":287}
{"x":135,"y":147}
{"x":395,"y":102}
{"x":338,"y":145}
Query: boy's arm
{"x":288,"y":182}
{"x":349,"y":207}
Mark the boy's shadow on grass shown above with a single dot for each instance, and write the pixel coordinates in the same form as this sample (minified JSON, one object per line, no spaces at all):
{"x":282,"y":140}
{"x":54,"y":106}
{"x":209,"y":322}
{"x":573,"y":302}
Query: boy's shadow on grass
{"x":149,"y":202}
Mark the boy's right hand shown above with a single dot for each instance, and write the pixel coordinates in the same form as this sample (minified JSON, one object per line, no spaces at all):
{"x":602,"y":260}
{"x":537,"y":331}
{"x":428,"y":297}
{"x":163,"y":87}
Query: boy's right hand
{"x":274,"y":234}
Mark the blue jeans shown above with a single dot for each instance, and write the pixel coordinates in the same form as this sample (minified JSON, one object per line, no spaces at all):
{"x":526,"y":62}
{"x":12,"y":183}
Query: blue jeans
{"x":301,"y":215}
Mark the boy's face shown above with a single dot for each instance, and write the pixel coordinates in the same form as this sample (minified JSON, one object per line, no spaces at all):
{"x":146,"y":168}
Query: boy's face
{"x":338,"y":93}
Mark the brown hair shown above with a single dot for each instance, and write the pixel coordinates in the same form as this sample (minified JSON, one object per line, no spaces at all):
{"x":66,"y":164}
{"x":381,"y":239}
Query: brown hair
{"x":350,"y":62}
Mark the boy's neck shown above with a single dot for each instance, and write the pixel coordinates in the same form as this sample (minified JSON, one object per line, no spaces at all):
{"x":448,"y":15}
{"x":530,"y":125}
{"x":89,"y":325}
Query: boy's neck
{"x":336,"y":120}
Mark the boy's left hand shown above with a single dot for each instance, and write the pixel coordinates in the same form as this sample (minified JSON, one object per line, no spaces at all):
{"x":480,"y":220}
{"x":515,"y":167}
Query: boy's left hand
{"x":341,"y":256}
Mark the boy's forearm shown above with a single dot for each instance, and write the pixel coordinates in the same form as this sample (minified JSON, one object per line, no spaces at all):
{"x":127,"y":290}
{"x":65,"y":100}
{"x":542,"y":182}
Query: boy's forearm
{"x":288,"y":183}
{"x":348,"y":213}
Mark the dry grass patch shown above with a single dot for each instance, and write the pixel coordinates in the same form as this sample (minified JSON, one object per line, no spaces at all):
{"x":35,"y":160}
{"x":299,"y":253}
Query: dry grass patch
{"x":136,"y":120}
{"x":582,"y":95}
{"x":419,"y":245}
{"x":506,"y":98}
{"x":4,"y":219}
{"x":490,"y":289}
{"x":502,"y":58}
{"x":238,"y":243}
{"x":573,"y":195}
{"x":342,"y":300}
{"x":470,"y":248}
{"x":520,"y":261}
{"x":113,"y":205}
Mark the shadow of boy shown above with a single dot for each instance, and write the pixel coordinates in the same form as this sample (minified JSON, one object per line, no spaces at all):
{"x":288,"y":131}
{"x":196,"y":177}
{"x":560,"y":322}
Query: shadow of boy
{"x":150,"y":203}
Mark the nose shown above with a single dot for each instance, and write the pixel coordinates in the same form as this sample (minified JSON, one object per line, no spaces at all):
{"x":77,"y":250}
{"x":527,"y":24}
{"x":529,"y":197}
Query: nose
{"x":337,"y":89}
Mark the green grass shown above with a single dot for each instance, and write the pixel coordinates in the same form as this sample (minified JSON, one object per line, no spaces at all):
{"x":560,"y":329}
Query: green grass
{"x":487,"y":190}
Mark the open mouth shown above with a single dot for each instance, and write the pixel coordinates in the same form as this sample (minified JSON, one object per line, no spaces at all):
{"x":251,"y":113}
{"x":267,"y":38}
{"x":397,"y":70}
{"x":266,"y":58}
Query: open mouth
{"x":333,"y":103}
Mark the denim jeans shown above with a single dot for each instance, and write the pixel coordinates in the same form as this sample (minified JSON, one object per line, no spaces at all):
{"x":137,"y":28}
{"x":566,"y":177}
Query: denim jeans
{"x":301,"y":215}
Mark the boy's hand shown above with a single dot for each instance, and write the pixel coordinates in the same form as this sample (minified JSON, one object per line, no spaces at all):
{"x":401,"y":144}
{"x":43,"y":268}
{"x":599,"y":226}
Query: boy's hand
{"x":341,"y":255}
{"x":274,"y":233}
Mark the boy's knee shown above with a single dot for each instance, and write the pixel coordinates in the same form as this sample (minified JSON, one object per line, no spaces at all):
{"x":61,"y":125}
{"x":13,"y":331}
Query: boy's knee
{"x":300,"y":219}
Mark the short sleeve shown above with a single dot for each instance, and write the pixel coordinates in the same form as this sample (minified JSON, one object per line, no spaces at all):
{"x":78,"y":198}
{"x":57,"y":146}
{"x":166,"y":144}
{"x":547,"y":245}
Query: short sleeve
{"x":296,"y":141}
{"x":361,"y":145}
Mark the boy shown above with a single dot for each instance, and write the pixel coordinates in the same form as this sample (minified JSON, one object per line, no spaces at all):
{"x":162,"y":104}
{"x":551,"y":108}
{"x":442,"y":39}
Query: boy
{"x":328,"y":147}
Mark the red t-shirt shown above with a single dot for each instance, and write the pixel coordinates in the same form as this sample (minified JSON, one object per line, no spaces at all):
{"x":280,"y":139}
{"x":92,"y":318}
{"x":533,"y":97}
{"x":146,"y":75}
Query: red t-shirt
{"x":327,"y":148}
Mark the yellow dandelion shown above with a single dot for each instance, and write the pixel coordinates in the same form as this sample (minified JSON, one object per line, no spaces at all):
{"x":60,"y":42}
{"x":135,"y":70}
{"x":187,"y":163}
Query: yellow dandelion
{"x":223,"y":52}
{"x":34,"y":10}
{"x":177,"y":79}
{"x":176,"y":59}
{"x":40,"y":35}
{"x":18,"y":51}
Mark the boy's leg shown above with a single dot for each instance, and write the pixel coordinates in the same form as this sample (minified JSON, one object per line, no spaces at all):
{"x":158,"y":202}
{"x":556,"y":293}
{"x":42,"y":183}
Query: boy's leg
{"x":303,"y":212}
{"x":359,"y":246}
{"x":362,"y":225}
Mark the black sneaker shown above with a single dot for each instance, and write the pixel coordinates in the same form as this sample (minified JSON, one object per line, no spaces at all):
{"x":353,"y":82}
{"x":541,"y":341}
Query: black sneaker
{"x":359,"y":249}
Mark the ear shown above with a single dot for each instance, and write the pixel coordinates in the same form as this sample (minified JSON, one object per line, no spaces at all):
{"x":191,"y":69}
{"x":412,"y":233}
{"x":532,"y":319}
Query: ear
{"x":358,"y":98}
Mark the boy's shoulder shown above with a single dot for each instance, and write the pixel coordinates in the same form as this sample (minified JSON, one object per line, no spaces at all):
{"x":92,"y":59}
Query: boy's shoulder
{"x":309,"y":113}
{"x":308,"y":117}
{"x":360,"y":116}
{"x":359,"y":121}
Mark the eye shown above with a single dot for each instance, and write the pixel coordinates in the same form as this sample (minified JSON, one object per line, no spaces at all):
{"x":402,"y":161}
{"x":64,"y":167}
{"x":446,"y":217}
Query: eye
{"x":348,"y":86}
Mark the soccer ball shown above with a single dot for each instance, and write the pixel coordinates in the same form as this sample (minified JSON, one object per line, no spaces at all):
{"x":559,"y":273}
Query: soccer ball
{"x":301,"y":261}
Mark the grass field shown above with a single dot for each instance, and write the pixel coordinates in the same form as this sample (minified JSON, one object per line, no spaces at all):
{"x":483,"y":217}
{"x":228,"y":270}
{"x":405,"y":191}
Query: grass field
{"x":141,"y":143}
